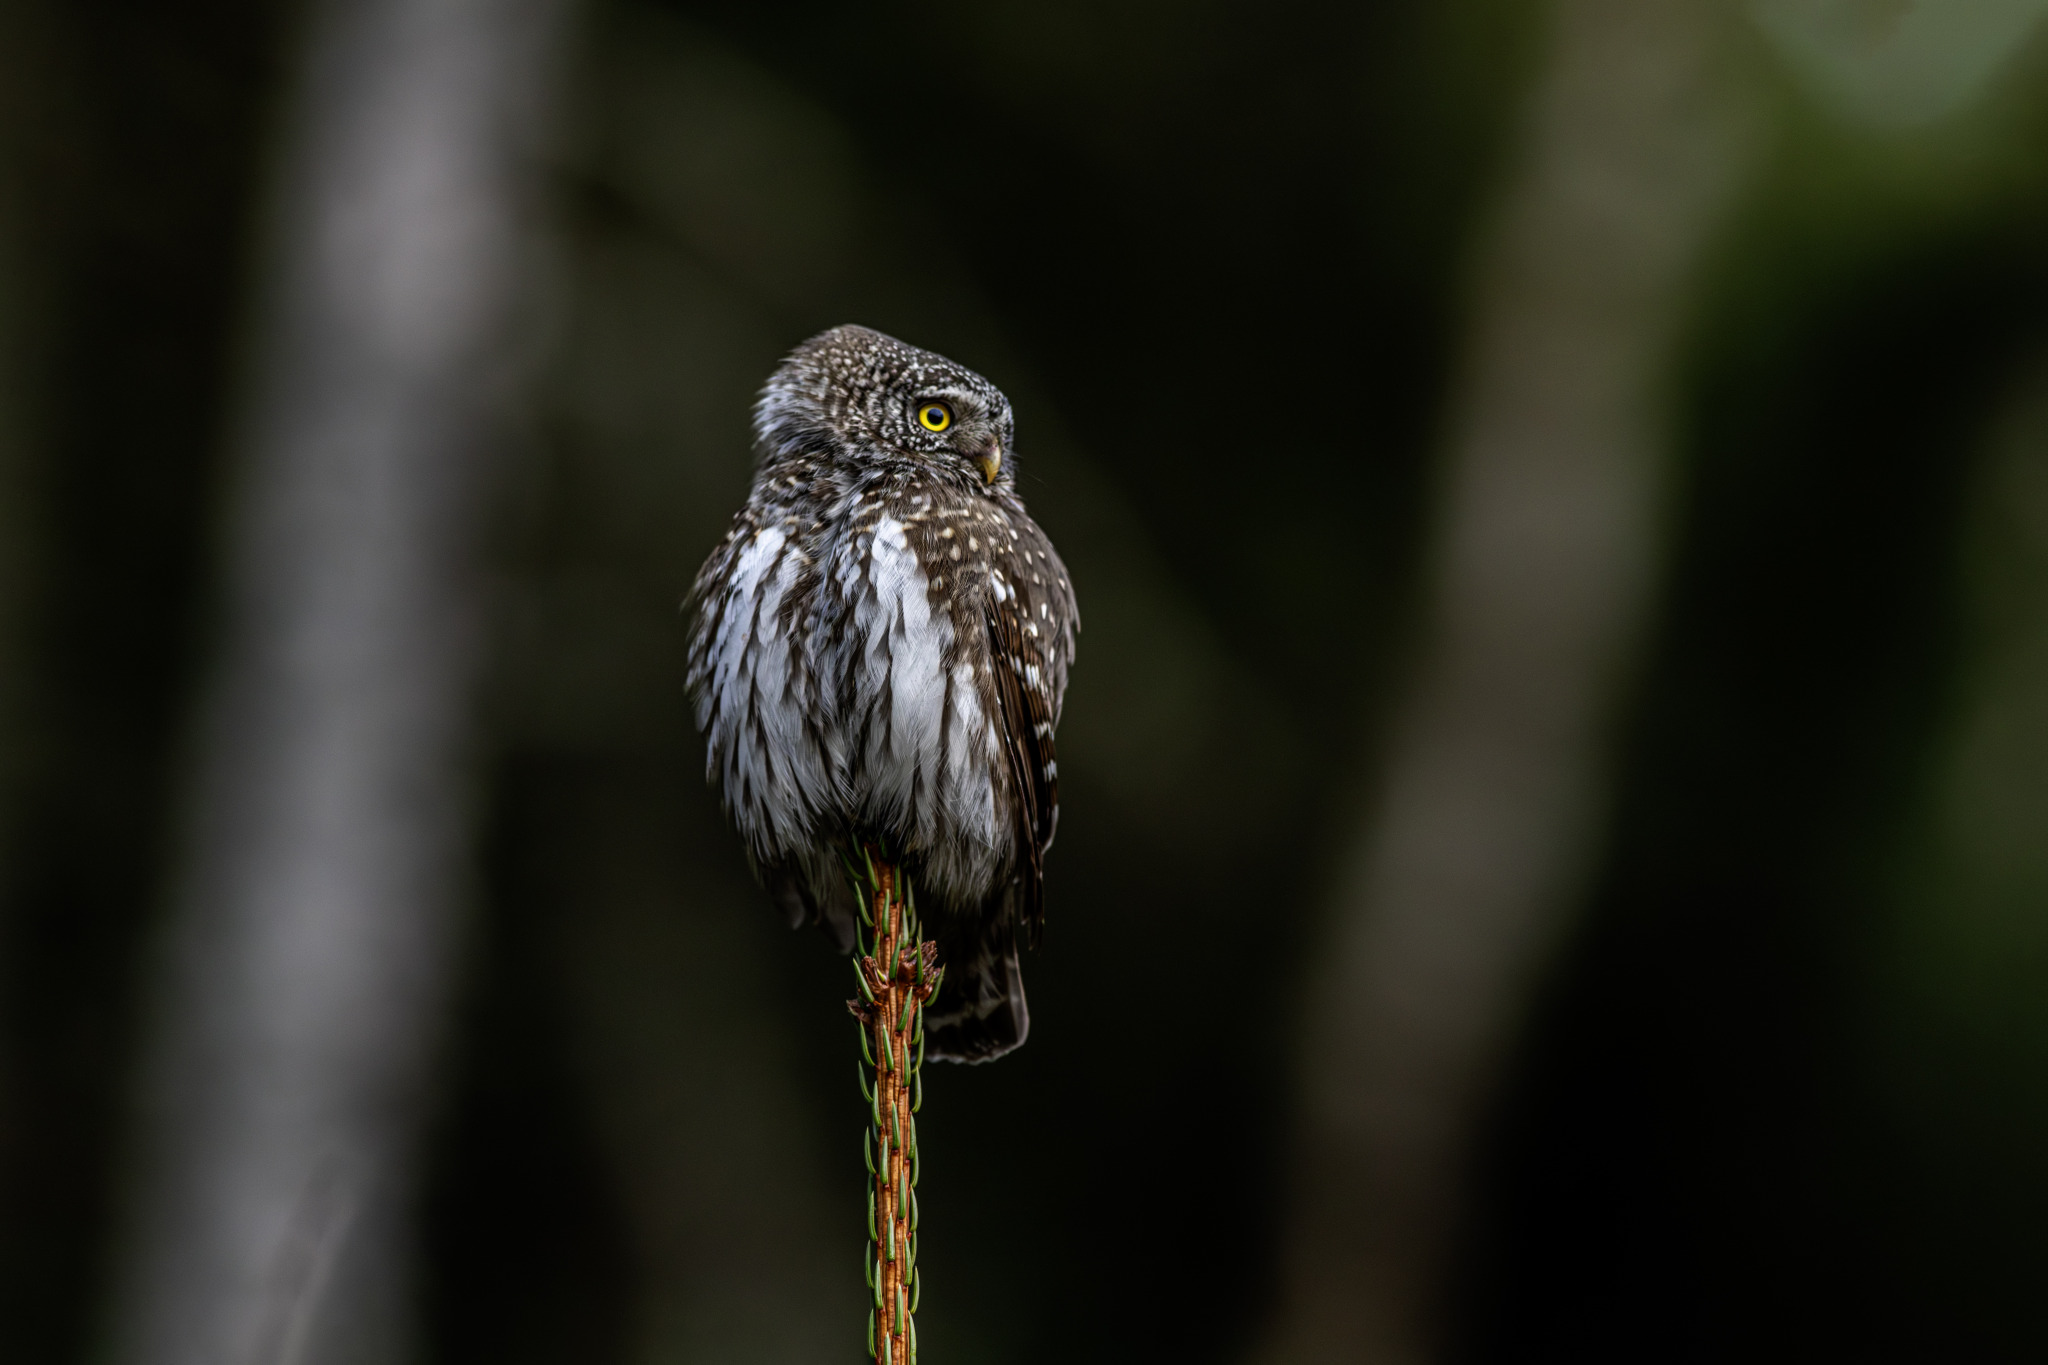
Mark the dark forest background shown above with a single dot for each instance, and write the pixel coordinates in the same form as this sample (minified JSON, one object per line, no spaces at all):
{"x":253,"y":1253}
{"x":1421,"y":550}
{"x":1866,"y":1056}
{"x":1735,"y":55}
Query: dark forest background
{"x":1774,"y":1088}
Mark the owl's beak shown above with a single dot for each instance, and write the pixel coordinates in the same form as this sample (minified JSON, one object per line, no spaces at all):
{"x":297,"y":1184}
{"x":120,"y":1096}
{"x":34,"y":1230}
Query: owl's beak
{"x":991,"y":462}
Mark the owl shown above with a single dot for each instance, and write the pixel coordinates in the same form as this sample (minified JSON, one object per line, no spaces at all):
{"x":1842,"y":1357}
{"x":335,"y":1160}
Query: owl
{"x":879,"y":651}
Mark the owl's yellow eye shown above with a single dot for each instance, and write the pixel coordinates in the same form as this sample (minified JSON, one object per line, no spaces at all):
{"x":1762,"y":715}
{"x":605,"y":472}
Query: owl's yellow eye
{"x":934,"y":416}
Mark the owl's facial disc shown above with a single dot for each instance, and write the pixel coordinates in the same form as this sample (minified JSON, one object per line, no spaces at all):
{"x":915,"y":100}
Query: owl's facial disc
{"x":961,"y":423}
{"x":852,"y":390}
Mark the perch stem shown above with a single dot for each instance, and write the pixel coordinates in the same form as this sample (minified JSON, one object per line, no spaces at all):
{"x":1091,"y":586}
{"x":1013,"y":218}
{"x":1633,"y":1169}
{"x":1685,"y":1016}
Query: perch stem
{"x":896,"y":981}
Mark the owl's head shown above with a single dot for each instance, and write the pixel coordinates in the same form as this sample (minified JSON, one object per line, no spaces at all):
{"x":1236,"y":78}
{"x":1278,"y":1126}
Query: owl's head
{"x":852,"y":390}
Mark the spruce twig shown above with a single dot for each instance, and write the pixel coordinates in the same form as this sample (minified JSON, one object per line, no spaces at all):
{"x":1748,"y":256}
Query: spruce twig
{"x":896,"y":979}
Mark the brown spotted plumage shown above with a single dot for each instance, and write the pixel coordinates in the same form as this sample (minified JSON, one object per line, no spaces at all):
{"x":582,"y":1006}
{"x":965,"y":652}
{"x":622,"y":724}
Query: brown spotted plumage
{"x":880,"y":650}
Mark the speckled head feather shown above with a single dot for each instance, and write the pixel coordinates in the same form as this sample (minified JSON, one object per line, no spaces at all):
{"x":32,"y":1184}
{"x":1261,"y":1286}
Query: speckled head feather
{"x":880,"y":651}
{"x":853,"y":387}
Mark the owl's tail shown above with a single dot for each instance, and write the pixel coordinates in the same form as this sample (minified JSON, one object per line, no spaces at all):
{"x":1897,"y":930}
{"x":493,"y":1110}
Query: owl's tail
{"x":979,"y":1013}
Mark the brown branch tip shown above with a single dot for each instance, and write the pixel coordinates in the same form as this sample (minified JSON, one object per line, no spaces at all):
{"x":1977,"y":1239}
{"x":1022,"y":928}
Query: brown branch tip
{"x":897,"y":980}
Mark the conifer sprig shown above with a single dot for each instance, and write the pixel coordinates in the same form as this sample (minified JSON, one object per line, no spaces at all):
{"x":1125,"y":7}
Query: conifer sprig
{"x":898,"y":974}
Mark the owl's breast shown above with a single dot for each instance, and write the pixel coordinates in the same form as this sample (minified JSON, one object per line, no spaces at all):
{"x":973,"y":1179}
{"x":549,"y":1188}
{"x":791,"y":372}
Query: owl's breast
{"x":846,"y":681}
{"x":921,"y":755}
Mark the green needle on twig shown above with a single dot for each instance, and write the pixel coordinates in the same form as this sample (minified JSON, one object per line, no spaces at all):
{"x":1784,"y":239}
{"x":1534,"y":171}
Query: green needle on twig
{"x":898,"y":975}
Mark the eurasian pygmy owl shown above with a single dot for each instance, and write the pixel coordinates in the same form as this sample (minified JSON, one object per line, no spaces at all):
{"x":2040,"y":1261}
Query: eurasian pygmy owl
{"x":880,"y":651}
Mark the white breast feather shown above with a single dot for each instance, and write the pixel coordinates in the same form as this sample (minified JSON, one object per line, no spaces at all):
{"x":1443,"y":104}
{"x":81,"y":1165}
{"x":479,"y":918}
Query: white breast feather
{"x":971,"y":754}
{"x":887,"y":730}
{"x":775,"y":788}
{"x":899,"y":683}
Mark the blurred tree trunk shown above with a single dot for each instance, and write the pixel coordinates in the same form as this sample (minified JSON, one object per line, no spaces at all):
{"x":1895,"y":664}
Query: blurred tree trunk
{"x":1543,"y":559}
{"x":307,"y":966}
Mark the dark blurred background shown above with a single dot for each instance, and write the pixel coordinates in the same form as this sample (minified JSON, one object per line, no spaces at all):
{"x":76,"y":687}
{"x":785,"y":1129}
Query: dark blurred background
{"x":1772,"y":1082}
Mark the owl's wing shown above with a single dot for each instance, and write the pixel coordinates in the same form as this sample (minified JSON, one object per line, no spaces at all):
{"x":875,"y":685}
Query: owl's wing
{"x":1031,"y":629}
{"x":1026,"y":733}
{"x":755,"y":702}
